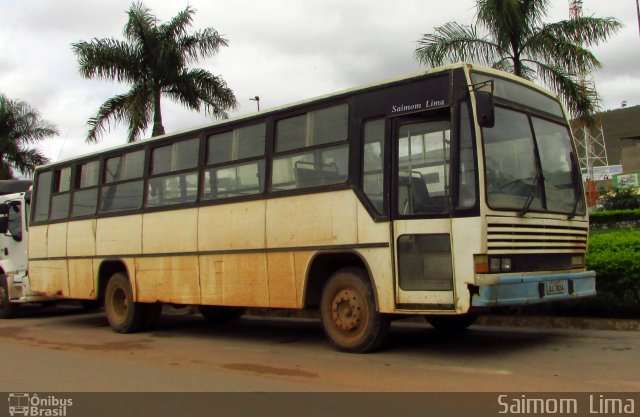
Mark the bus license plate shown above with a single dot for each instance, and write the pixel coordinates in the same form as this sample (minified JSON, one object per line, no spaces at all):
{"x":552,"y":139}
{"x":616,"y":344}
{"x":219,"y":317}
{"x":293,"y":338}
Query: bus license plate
{"x":555,"y":287}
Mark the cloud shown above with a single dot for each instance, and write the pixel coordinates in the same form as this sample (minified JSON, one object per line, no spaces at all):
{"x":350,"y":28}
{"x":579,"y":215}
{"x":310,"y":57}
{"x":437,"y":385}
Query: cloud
{"x":280,"y":50}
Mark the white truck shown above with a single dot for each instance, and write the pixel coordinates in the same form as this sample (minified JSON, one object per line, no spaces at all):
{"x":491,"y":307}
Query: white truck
{"x":15,"y":199}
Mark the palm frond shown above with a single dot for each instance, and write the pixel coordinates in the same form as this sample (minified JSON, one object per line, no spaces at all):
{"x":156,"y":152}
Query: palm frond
{"x":141,"y":22}
{"x":139,"y":111}
{"x":198,"y":88}
{"x":177,"y":26}
{"x":123,"y":107}
{"x":108,"y":59}
{"x":203,"y":43}
{"x":154,"y":60}
{"x":26,"y":160}
{"x":586,"y":31}
{"x":572,"y":58}
{"x":454,"y":42}
{"x":580,"y":99}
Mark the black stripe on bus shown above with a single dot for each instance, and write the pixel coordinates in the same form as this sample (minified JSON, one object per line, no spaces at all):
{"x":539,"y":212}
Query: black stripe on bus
{"x":220,"y":252}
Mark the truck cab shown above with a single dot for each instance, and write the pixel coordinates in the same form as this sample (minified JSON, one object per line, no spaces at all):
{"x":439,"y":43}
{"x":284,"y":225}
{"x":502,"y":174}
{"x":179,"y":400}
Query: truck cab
{"x":15,"y":199}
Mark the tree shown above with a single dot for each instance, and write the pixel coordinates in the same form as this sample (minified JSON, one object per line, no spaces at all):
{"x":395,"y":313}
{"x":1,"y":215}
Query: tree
{"x":154,"y":60}
{"x":21,"y":126}
{"x":518,"y":41}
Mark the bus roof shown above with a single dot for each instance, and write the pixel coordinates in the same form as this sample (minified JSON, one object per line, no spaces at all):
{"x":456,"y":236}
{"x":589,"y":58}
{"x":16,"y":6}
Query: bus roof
{"x":357,"y":89}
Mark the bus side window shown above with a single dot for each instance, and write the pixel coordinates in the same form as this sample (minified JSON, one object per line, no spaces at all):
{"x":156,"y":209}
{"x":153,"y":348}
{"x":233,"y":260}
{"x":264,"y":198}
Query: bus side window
{"x":312,"y":168}
{"x":228,"y":178}
{"x":373,"y":163}
{"x":61,"y":196}
{"x":467,"y":169}
{"x":42,"y":196}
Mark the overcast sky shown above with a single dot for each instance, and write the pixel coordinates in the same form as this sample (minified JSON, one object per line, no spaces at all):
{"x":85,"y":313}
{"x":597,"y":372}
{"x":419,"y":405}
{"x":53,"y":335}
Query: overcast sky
{"x":280,"y":50}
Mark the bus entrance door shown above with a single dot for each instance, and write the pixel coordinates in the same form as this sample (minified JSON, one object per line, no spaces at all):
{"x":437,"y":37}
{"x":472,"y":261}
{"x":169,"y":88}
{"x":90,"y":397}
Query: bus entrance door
{"x":422,"y":225}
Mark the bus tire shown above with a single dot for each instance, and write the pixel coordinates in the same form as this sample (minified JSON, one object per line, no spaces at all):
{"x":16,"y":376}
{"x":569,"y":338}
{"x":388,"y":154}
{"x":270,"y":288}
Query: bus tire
{"x":219,"y":314}
{"x":348,"y":311}
{"x":452,"y":324}
{"x":7,"y":308}
{"x":123,"y":313}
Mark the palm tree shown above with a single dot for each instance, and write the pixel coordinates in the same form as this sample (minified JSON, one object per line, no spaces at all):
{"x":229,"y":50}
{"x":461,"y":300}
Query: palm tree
{"x":154,"y":60}
{"x":517,"y":40}
{"x":21,"y":126}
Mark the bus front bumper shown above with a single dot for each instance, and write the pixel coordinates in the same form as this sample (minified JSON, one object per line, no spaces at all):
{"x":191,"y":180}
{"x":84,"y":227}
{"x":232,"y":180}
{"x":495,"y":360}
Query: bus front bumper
{"x":516,"y":290}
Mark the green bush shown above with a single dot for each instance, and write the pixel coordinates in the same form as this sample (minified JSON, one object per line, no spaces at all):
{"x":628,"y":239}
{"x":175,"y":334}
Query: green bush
{"x":610,"y":217}
{"x":614,"y":255}
{"x":624,"y":198}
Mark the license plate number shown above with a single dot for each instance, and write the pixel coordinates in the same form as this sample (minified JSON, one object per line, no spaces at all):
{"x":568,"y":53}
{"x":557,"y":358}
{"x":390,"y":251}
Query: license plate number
{"x":555,"y":287}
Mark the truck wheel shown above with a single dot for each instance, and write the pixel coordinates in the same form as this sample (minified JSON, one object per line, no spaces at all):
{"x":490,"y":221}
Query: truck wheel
{"x":348,"y":310}
{"x":452,"y":324}
{"x":7,"y":308}
{"x":123,"y":313}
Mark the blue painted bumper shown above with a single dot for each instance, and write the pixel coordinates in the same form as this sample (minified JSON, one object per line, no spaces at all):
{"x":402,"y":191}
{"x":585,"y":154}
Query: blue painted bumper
{"x":522,"y":290}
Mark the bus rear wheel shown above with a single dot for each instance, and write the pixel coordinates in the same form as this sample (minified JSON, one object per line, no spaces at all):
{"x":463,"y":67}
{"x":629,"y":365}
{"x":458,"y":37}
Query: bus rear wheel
{"x":348,"y":311}
{"x":123,"y":313}
{"x":7,"y":308}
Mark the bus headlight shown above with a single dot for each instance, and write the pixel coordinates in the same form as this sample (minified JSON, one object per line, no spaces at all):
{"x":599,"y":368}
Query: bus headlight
{"x":500,"y":264}
{"x":577,"y":261}
{"x":505,"y":264}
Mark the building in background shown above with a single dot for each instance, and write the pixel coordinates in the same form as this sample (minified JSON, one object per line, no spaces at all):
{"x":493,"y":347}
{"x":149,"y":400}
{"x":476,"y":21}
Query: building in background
{"x":621,"y":129}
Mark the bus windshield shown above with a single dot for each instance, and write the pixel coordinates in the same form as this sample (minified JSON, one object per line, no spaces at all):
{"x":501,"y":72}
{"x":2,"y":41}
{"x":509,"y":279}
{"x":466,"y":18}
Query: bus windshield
{"x":528,"y":165}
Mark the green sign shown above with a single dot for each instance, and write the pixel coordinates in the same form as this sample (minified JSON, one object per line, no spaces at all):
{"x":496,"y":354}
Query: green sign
{"x":626,"y":180}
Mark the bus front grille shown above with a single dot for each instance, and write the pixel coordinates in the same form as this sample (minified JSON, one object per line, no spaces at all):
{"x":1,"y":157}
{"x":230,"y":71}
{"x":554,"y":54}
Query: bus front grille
{"x":508,"y":234}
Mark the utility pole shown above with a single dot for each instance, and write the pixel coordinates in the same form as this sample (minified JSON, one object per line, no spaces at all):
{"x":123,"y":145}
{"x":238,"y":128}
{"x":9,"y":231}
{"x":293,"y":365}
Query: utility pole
{"x":589,"y":139}
{"x":638,"y":10}
{"x":257,"y":100}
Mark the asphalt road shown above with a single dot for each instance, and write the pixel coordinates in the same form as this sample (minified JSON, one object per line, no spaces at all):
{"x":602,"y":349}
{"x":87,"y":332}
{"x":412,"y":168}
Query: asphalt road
{"x":64,"y":349}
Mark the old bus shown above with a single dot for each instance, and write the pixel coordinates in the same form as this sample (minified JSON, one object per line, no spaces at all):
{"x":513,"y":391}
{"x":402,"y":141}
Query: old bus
{"x":439,"y":194}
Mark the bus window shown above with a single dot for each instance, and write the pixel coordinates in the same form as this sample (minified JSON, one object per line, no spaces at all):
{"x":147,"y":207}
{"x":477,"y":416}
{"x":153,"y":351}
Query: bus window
{"x":61,"y":198}
{"x":123,"y":195}
{"x":317,"y":127}
{"x":311,"y":169}
{"x":423,"y":162}
{"x":85,"y":196}
{"x":373,"y":160}
{"x":43,"y":188}
{"x":176,"y":187}
{"x":467,"y":167}
{"x":235,"y":179}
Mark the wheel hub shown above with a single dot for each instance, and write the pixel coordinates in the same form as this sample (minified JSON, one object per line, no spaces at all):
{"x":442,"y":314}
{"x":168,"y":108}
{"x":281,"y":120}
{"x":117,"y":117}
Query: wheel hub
{"x":347,"y":309}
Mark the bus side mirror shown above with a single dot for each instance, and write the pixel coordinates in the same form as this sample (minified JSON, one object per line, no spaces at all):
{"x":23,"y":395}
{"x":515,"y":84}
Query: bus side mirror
{"x":4,"y":218}
{"x":485,"y":109}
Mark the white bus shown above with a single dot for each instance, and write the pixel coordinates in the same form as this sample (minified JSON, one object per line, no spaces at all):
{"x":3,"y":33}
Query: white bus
{"x":423,"y":195}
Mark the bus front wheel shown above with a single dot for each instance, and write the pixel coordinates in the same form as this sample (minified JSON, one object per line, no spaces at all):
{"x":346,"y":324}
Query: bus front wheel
{"x":348,"y":310}
{"x":123,"y":313}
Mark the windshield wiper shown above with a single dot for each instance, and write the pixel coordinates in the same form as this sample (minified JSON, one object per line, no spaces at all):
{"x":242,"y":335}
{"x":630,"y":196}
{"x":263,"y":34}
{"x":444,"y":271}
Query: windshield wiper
{"x":576,"y":187}
{"x":538,"y":181}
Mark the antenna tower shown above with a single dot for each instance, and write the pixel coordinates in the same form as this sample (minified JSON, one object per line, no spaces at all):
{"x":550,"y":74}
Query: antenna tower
{"x":589,"y":140}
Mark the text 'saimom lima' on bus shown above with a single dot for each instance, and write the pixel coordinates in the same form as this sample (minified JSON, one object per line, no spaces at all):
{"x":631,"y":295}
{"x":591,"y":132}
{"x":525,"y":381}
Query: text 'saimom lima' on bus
{"x":440,"y":194}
